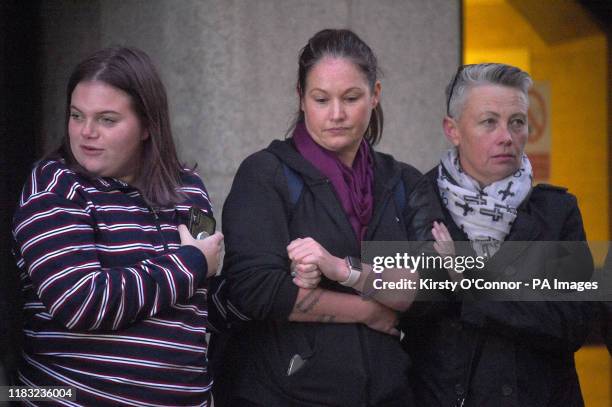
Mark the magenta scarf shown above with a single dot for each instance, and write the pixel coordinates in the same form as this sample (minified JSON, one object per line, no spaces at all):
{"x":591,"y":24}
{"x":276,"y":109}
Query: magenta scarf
{"x":353,"y":186}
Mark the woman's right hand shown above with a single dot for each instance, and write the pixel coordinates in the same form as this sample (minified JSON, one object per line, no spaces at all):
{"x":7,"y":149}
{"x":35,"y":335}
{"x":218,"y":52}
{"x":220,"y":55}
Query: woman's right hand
{"x":381,"y":318}
{"x":211,"y":247}
{"x":308,"y":251}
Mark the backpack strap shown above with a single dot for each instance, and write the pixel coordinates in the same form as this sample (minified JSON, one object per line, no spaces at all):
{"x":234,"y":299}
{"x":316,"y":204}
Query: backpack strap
{"x":399,"y":193}
{"x":223,"y":316}
{"x":295,"y":184}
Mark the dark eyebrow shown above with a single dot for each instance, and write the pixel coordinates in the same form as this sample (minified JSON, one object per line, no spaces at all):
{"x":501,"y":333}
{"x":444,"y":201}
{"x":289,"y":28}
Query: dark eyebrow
{"x":317,"y":90}
{"x":354,"y":88}
{"x":98,"y":113}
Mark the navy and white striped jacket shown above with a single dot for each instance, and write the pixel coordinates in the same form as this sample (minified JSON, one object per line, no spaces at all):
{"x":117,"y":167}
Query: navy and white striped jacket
{"x":114,"y":306}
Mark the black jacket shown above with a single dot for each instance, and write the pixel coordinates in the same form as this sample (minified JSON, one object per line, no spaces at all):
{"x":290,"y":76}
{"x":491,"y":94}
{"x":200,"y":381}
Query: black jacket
{"x":346,"y":364}
{"x":522,"y":352}
{"x":605,"y":307}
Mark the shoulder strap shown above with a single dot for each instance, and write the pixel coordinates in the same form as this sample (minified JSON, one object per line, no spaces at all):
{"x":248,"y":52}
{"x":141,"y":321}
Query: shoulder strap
{"x":294,"y":183}
{"x":399,"y":194}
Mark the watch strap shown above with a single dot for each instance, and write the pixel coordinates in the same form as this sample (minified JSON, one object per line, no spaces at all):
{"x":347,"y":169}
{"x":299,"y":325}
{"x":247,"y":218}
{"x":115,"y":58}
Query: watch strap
{"x":354,"y":266}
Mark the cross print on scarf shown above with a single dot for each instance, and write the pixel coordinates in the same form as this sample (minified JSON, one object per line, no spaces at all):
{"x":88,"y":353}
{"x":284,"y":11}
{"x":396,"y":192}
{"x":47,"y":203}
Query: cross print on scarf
{"x":495,"y":214}
{"x":506,"y":208}
{"x":476,"y":199}
{"x":506,"y":192}
{"x":484,"y":213}
{"x":489,"y":247}
{"x":466,"y":208}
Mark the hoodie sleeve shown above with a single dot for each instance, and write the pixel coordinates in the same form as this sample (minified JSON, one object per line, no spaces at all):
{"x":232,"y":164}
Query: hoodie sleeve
{"x":55,"y":237}
{"x":255,"y":225}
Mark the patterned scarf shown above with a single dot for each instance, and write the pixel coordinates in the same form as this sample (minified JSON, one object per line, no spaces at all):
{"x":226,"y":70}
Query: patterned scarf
{"x":484,"y":214}
{"x":353,"y":186}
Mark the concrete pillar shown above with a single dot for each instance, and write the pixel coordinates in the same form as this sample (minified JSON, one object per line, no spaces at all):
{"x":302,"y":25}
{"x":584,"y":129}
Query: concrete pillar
{"x":230,"y":67}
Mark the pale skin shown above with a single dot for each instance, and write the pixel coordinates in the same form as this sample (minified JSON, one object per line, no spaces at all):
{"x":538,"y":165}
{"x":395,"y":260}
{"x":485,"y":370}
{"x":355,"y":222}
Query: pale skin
{"x":211,"y":247}
{"x":106,"y":137}
{"x":490,"y":132}
{"x":308,"y":253}
{"x":319,"y":305}
{"x":445,"y":246}
{"x":337,"y":104}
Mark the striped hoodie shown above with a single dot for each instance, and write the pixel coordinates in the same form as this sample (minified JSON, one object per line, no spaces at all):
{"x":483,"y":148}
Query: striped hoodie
{"x":113,"y":305}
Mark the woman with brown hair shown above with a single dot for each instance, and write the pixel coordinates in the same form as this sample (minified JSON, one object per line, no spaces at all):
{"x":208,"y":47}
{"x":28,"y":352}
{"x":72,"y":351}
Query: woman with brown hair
{"x":294,"y":265}
{"x":114,"y":285}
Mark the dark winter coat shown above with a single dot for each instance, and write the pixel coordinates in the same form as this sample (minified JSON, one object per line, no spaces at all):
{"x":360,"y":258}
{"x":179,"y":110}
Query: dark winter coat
{"x":522,"y":353}
{"x":346,"y":364}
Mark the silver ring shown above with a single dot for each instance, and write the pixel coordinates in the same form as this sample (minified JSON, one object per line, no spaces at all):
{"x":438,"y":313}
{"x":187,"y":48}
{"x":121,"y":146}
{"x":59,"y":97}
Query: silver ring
{"x":293,"y":274}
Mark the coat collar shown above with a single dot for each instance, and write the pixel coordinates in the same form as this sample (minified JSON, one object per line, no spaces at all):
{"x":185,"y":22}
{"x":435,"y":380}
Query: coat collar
{"x":526,"y":226}
{"x":110,"y":184}
{"x":386,"y":175}
{"x":105,"y":184}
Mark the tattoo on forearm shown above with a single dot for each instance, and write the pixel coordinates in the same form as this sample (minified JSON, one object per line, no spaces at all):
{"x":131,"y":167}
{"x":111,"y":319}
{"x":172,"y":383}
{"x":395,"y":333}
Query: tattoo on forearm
{"x":309,"y":301}
{"x":326,"y":318}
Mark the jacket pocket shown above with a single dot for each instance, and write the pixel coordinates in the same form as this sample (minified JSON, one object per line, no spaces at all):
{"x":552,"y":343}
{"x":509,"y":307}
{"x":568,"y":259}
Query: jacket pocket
{"x":303,"y":341}
{"x":286,"y":350}
{"x":317,"y":364}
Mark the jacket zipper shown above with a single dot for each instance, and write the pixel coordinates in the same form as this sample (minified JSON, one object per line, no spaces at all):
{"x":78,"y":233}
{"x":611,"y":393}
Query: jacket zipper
{"x":158,"y":226}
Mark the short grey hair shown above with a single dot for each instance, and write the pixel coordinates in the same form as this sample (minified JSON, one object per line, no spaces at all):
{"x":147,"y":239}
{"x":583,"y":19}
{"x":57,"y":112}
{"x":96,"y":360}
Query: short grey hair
{"x":469,"y":76}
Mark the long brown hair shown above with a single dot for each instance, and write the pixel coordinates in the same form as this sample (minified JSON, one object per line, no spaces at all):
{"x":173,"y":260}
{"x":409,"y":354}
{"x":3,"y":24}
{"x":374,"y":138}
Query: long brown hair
{"x":131,"y":70}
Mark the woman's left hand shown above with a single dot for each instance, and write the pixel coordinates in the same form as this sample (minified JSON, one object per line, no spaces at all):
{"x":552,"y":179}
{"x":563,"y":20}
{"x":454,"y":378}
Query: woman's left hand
{"x":307,"y":251}
{"x":444,"y":244}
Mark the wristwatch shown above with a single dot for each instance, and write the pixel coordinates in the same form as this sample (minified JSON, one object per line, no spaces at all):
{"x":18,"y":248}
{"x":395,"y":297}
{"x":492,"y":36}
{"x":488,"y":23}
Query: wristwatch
{"x":355,"y":269}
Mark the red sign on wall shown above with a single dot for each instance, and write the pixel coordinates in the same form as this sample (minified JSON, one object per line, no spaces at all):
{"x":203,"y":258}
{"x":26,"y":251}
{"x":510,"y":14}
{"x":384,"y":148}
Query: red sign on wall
{"x":538,"y":143}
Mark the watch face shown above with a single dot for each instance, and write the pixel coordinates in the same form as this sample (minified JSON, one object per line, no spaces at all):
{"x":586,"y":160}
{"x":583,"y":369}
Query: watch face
{"x":354,"y":263}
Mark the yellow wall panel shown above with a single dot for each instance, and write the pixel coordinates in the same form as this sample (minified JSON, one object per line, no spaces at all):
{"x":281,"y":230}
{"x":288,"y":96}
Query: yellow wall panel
{"x":575,"y":68}
{"x":593,"y":366}
{"x":576,"y":71}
